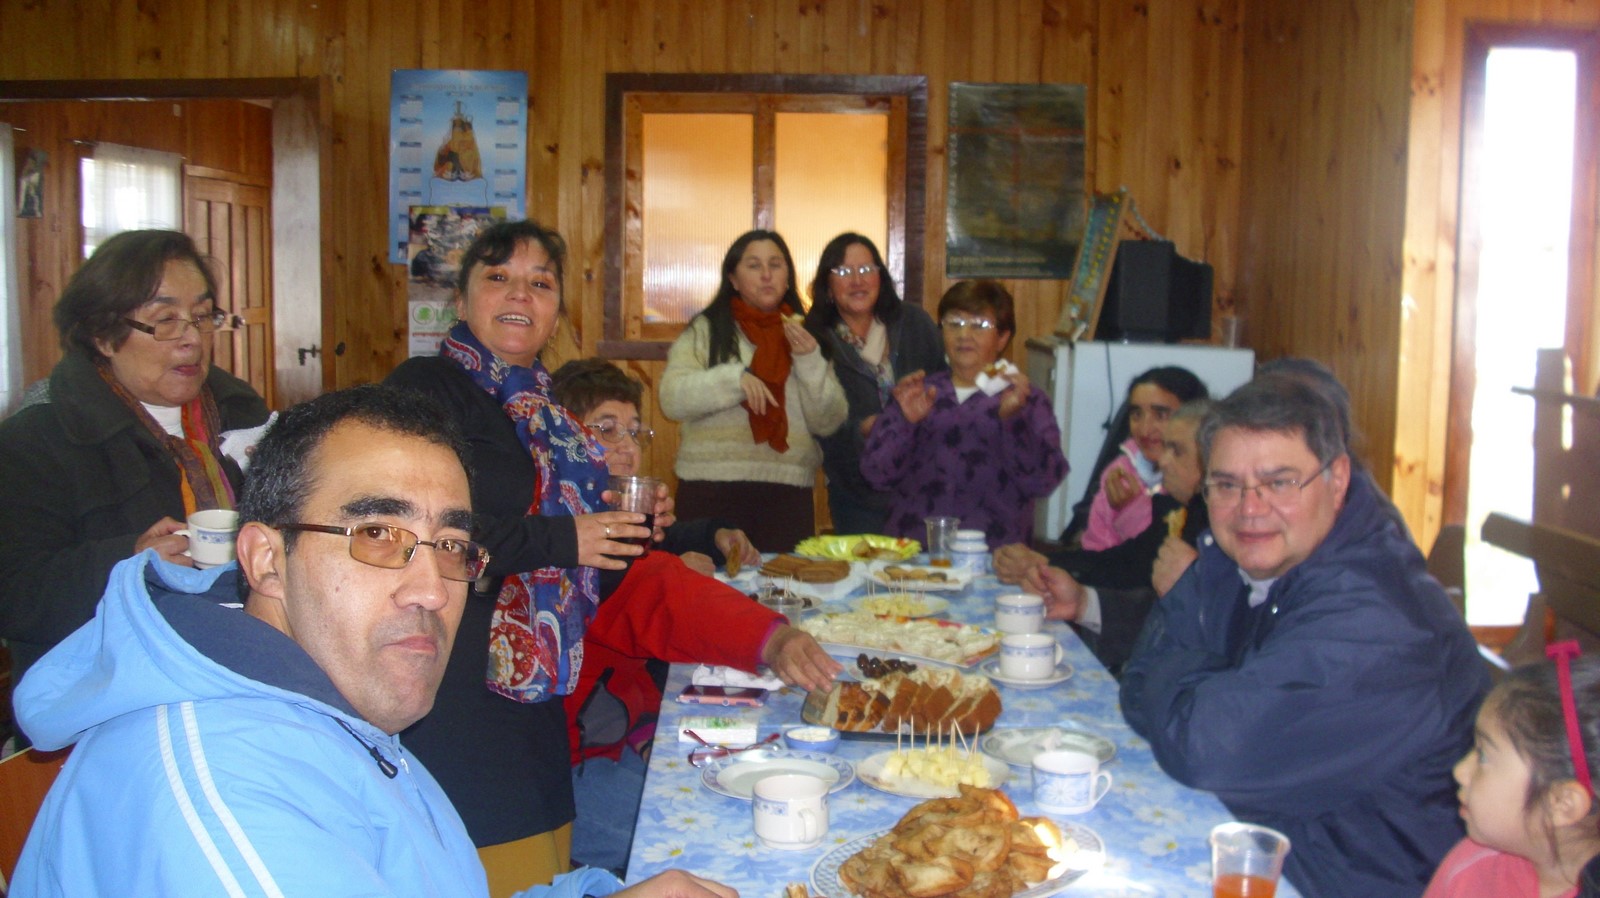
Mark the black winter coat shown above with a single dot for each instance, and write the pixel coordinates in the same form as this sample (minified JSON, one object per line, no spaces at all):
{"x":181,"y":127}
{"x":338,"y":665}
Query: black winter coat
{"x":914,"y":345}
{"x":80,"y":480}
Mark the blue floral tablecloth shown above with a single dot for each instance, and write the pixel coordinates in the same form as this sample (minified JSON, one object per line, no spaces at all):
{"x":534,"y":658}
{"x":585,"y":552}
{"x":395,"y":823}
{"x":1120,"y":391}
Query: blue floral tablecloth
{"x":1154,"y":829}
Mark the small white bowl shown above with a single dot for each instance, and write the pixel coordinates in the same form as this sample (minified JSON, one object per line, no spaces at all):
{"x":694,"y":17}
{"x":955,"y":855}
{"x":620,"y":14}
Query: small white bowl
{"x":812,"y":738}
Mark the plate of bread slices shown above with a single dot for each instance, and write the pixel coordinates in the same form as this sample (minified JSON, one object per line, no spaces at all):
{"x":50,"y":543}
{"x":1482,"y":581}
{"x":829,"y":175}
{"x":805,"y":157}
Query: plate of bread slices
{"x":920,"y":577}
{"x":928,"y":699}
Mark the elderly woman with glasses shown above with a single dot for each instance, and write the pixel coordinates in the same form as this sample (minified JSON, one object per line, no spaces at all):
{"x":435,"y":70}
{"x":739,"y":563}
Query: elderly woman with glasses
{"x":123,"y":442}
{"x":874,"y":340}
{"x":977,"y":442}
{"x":496,"y":739}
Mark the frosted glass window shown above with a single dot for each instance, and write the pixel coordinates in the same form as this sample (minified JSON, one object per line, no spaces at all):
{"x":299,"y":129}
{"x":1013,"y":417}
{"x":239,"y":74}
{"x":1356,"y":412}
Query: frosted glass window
{"x":831,"y":176}
{"x":699,"y":172}
{"x":128,"y":188}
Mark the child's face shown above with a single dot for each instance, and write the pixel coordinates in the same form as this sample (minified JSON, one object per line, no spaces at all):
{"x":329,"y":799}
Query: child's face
{"x":1149,"y":407}
{"x":1493,"y":782}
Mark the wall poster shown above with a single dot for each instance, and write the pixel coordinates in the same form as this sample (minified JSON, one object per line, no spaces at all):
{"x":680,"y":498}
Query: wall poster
{"x":439,"y":236}
{"x":456,"y":138}
{"x":1016,"y":203}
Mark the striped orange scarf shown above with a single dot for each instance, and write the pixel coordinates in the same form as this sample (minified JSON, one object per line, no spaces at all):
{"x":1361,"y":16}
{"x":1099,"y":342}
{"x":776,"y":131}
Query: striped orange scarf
{"x":197,"y":454}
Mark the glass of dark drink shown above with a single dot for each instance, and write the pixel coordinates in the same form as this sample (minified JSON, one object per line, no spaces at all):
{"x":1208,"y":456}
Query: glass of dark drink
{"x":636,"y":494}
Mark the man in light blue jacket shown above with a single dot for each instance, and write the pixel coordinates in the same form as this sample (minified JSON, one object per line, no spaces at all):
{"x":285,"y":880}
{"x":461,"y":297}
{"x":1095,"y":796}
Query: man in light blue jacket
{"x":253,"y":752}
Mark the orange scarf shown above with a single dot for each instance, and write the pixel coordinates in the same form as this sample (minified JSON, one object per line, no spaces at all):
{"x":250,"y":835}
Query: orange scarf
{"x":203,"y":481}
{"x":771,"y":364}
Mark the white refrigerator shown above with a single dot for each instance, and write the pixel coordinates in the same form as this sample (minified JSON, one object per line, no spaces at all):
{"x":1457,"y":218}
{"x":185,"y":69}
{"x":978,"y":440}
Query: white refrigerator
{"x":1087,"y":382}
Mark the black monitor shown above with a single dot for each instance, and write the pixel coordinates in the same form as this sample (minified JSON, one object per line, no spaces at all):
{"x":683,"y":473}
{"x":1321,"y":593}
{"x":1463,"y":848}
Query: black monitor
{"x":1155,"y":295}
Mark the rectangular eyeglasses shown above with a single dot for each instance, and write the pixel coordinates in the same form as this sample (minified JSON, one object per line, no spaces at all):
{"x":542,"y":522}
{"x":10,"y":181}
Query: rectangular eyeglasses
{"x":388,"y":546}
{"x":168,"y":329}
{"x":956,"y":324}
{"x":1279,"y":492}
{"x":845,"y":271}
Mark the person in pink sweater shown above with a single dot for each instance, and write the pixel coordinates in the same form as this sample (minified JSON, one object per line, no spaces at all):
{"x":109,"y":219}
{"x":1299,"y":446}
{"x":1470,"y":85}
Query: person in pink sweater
{"x":1125,"y":477}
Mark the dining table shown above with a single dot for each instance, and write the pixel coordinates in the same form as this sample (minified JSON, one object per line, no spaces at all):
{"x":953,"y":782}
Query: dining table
{"x":1151,"y":831}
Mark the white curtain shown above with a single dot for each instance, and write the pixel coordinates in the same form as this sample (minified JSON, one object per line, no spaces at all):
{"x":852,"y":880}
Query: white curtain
{"x":10,"y":295}
{"x":126,"y":188}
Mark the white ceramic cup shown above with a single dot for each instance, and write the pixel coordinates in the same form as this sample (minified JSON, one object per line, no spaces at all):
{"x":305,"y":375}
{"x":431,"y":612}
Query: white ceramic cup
{"x":211,"y":534}
{"x":1019,"y":612}
{"x":1029,"y":656}
{"x":1068,"y":782}
{"x":790,"y":811}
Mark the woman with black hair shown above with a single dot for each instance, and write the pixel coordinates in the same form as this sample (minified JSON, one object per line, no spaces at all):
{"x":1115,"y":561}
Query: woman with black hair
{"x":1127,"y":471}
{"x":752,"y":391}
{"x":874,"y":339}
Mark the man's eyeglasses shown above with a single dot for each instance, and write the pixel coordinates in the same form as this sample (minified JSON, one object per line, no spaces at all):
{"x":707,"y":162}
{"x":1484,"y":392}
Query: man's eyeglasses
{"x":173,"y":328}
{"x":612,"y":434}
{"x":956,"y":324}
{"x":1279,"y":492}
{"x":845,"y":271}
{"x":388,"y":546}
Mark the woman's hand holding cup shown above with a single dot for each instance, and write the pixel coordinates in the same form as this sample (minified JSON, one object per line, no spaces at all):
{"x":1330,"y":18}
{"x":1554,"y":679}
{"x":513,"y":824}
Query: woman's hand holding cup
{"x":601,"y":535}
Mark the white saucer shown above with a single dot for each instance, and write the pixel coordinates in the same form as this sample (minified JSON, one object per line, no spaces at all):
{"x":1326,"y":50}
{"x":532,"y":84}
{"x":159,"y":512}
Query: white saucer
{"x":991,"y":669}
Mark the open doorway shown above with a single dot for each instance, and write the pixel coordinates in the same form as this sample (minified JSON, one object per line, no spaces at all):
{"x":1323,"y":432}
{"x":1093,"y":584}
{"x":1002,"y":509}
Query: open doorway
{"x":1525,"y":278}
{"x":263,"y":229}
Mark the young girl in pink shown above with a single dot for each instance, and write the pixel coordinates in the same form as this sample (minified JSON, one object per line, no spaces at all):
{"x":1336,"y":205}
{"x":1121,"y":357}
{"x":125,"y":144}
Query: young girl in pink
{"x":1527,"y":787}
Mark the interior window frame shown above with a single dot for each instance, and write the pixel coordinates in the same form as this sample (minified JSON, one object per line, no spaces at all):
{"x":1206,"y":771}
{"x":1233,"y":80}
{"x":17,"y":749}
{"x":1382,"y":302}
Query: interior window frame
{"x":625,"y":334}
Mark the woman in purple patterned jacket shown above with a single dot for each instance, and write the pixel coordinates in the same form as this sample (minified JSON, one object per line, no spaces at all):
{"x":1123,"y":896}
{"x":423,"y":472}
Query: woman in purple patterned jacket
{"x":978,"y":441}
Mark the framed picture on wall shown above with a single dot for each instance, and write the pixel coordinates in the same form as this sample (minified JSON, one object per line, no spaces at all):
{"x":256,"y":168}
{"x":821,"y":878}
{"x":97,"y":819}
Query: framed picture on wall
{"x":30,"y":184}
{"x":1016,"y":204}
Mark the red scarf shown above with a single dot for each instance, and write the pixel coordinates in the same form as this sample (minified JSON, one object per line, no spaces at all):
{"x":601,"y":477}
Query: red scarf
{"x":771,"y":364}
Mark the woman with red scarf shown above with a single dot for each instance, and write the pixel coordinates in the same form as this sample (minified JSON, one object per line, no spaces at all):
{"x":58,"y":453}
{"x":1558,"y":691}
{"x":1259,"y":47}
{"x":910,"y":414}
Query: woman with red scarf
{"x":123,"y":442}
{"x":753,"y":392}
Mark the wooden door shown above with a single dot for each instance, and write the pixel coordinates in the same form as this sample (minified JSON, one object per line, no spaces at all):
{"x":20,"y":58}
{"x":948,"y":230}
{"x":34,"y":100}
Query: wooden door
{"x":231,"y":223}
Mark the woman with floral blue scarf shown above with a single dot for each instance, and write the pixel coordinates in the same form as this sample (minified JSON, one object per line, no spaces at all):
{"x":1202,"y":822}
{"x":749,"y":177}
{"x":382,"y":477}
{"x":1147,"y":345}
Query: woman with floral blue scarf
{"x":496,"y":738}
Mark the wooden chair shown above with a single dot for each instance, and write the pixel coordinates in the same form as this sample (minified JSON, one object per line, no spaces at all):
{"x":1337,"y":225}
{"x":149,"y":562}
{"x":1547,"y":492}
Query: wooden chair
{"x":1563,"y":539}
{"x":1568,"y":565}
{"x":25,"y":777}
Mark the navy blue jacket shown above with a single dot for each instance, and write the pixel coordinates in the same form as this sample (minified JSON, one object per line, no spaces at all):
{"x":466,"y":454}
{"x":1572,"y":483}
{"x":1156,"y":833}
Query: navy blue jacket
{"x":1333,"y":711}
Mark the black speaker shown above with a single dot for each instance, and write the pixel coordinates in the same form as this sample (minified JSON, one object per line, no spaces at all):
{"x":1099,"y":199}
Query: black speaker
{"x":1155,"y":295}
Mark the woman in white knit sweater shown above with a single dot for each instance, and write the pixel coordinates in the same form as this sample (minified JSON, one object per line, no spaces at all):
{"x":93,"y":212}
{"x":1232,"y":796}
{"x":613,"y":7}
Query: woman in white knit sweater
{"x":752,"y":391}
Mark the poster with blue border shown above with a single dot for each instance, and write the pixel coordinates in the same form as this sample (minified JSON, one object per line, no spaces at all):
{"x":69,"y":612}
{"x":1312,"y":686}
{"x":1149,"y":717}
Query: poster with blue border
{"x":456,"y":138}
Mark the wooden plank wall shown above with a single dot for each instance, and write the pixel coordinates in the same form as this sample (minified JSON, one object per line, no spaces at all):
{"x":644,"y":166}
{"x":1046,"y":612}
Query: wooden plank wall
{"x":1165,"y":80}
{"x":1324,"y":183}
{"x":224,"y":135}
{"x":1432,"y":217}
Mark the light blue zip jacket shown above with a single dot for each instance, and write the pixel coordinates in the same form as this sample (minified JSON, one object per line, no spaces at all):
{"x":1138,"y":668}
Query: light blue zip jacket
{"x":214,"y":757}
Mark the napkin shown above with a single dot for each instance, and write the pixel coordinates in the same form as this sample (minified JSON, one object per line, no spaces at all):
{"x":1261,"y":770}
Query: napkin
{"x":994,"y":383}
{"x":723,"y":675}
{"x":236,"y":444}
